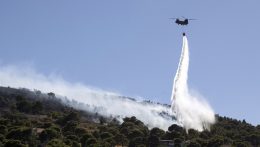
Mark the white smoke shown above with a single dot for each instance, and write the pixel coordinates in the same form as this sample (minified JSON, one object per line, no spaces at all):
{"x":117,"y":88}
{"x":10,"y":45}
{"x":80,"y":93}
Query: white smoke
{"x":111,"y":104}
{"x":191,"y":111}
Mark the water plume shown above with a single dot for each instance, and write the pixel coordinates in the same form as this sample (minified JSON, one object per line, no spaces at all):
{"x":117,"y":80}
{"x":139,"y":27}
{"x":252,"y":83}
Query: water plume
{"x":105,"y":103}
{"x":192,"y":111}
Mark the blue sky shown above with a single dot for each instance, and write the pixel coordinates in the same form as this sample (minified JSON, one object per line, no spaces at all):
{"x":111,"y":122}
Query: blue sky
{"x":133,"y":48}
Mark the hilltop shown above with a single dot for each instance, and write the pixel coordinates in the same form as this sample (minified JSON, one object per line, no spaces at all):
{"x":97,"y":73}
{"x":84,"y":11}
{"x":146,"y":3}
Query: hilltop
{"x":35,"y":119}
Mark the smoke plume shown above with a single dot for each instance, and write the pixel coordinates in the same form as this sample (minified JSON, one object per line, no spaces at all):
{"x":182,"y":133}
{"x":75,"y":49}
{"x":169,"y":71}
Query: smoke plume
{"x":90,"y":99}
{"x":191,"y":111}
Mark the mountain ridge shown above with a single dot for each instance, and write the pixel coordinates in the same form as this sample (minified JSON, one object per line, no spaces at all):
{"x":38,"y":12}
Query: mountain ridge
{"x":31,"y":118}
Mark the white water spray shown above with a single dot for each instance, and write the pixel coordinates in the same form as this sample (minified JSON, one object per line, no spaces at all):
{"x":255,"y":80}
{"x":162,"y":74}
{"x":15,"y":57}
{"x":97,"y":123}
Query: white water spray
{"x":87,"y":98}
{"x":192,"y":111}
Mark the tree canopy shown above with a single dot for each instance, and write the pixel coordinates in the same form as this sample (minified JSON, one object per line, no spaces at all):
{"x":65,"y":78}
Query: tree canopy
{"x":36,"y":119}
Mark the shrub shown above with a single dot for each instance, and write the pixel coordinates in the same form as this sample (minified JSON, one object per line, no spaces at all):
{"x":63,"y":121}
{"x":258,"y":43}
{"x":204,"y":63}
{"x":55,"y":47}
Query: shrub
{"x":14,"y":143}
{"x":22,"y":133}
{"x":49,"y":134}
{"x":56,"y":143}
{"x":3,"y":129}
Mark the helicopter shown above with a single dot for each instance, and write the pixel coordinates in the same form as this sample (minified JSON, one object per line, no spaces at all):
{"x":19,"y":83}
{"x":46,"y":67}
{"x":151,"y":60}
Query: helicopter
{"x":183,"y":22}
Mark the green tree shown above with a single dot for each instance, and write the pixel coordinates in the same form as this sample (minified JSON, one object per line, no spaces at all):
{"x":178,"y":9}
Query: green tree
{"x":79,"y":131}
{"x":14,"y":143}
{"x":3,"y":101}
{"x":121,"y":139}
{"x":73,"y":137}
{"x":216,"y":141}
{"x":193,"y":134}
{"x":157,"y":132}
{"x":51,"y":95}
{"x":3,"y":129}
{"x":70,"y":127}
{"x":102,"y":120}
{"x":135,"y":133}
{"x":4,"y":121}
{"x":175,"y":128}
{"x":193,"y":143}
{"x":153,"y":141}
{"x":2,"y":138}
{"x":241,"y":144}
{"x":84,"y":139}
{"x":24,"y":106}
{"x":110,"y":141}
{"x":71,"y":143}
{"x":21,"y":133}
{"x":37,"y":107}
{"x":177,"y":142}
{"x":254,"y":139}
{"x":138,"y":141}
{"x":202,"y":142}
{"x":71,"y":116}
{"x":56,"y":143}
{"x":205,"y":134}
{"x":105,"y":135}
{"x":49,"y":134}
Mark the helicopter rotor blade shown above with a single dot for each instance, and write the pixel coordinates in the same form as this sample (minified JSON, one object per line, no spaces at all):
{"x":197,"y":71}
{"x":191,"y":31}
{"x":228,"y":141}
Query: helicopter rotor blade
{"x":192,"y":19}
{"x":173,"y":18}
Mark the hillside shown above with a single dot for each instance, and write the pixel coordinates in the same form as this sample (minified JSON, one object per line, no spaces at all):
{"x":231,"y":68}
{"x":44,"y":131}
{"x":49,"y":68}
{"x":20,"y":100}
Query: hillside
{"x":35,"y":119}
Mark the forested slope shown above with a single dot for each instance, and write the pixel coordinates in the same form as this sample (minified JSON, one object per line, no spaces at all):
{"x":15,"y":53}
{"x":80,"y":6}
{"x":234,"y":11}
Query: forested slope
{"x":34,"y":119}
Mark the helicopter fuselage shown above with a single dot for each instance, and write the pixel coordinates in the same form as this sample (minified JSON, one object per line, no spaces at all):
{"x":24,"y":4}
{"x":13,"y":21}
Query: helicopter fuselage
{"x":182,"y":22}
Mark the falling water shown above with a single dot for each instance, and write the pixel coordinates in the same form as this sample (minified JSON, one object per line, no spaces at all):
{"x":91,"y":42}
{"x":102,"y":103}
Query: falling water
{"x":192,"y":111}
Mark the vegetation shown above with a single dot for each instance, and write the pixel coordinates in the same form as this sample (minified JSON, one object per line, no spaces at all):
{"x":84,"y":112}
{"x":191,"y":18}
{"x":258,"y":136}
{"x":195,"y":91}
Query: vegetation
{"x":30,"y":119}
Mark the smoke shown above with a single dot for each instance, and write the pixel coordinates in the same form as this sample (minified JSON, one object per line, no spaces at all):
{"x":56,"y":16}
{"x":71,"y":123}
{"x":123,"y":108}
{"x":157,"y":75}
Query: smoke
{"x":94,"y":100}
{"x":192,"y":111}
